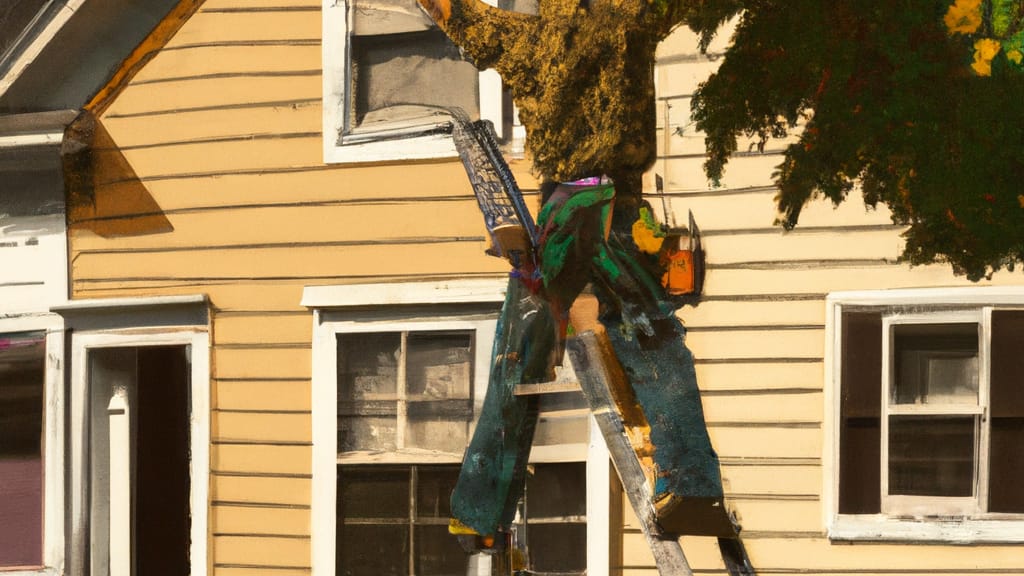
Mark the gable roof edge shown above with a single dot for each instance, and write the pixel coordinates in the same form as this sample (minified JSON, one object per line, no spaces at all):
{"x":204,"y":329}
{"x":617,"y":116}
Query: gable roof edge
{"x":142,"y":54}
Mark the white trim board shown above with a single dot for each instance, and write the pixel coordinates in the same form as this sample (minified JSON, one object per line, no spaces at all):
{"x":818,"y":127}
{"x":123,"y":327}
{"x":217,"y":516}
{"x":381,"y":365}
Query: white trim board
{"x":398,"y":293}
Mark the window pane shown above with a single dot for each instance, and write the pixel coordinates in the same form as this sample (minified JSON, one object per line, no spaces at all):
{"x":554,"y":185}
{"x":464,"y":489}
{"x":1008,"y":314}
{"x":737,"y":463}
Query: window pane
{"x":438,"y":374}
{"x":560,"y":548}
{"x":400,"y":58}
{"x":22,"y":372}
{"x":932,"y":455}
{"x":860,"y":439}
{"x":555,"y":490}
{"x":1006,"y":459}
{"x":372,"y":550}
{"x":373,"y":492}
{"x":935,"y":364}
{"x":438,"y":553}
{"x":368,"y":365}
{"x":434,"y":485}
{"x":440,"y":364}
{"x":368,"y":391}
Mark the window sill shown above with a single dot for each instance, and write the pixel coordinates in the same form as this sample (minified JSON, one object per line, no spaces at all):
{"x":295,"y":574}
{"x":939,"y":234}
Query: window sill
{"x":363,"y":150}
{"x":878,"y":528}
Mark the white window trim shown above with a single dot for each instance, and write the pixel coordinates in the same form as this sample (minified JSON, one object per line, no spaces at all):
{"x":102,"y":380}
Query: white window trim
{"x":53,"y":439}
{"x":159,"y":321}
{"x":335,"y":103}
{"x":993,"y":528}
{"x":372,"y":308}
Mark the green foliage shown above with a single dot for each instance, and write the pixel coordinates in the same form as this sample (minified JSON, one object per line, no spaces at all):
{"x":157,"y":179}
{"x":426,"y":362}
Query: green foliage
{"x":891,"y":100}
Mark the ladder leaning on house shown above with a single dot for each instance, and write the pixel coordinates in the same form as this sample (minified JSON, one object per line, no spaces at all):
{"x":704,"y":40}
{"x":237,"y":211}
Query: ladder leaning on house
{"x":594,"y":362}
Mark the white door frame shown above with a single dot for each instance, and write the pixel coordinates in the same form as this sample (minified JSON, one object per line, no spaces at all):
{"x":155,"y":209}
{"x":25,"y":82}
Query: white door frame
{"x":199,"y":432}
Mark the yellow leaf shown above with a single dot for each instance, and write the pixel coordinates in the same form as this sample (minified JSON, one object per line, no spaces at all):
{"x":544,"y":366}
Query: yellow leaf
{"x":985,"y":50}
{"x":963,"y":17}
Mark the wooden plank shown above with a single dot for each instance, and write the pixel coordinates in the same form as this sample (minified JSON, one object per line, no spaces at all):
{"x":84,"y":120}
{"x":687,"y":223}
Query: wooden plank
{"x":807,"y":343}
{"x":261,"y":427}
{"x":290,"y":262}
{"x":687,"y":173}
{"x":772,"y":480}
{"x":262,"y":395}
{"x":193,"y":91}
{"x":799,"y":245}
{"x":818,"y":554}
{"x":221,"y":59}
{"x":261,"y":489}
{"x":256,"y":520}
{"x":766,"y":442}
{"x":780,"y":516}
{"x":267,"y":460}
{"x":822,"y":277}
{"x":407,"y":221}
{"x":261,"y":363}
{"x":765,"y":408}
{"x":760,"y":375}
{"x":756,"y":209}
{"x":712,"y":315}
{"x":205,"y":124}
{"x":226,"y":156}
{"x":209,"y":26}
{"x":294,"y":327}
{"x":292,"y":552}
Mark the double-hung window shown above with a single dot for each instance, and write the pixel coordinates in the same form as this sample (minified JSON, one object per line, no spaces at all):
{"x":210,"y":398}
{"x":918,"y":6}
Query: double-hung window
{"x":927,"y":415}
{"x":389,"y":75}
{"x":398,"y":384}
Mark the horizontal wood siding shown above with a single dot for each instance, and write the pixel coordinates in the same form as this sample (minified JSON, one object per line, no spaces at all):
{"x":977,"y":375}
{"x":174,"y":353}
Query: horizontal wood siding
{"x":758,"y":338}
{"x":222,"y":134}
{"x":213,"y":182}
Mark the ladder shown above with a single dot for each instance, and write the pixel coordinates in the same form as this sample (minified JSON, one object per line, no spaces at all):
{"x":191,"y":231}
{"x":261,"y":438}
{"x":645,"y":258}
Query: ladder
{"x":513,"y":234}
{"x":599,"y":372}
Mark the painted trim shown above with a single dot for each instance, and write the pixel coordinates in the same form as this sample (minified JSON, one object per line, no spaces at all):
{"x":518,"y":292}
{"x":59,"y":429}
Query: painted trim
{"x":989,"y":529}
{"x":36,"y":139}
{"x":128,"y":304}
{"x":401,"y":293}
{"x":336,"y":79}
{"x":164,"y":320}
{"x":965,"y":296}
{"x":53,"y":440}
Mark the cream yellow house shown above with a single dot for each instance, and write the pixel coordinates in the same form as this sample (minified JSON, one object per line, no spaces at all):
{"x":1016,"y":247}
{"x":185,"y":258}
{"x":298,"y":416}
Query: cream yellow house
{"x":273,"y":248}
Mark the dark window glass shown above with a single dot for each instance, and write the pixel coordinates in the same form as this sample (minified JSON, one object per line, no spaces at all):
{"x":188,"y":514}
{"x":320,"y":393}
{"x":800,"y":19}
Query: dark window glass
{"x":394,"y":517}
{"x":556,"y":528}
{"x":1006,"y":453}
{"x":932,"y":455}
{"x":22,"y":373}
{"x":860,"y":440}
